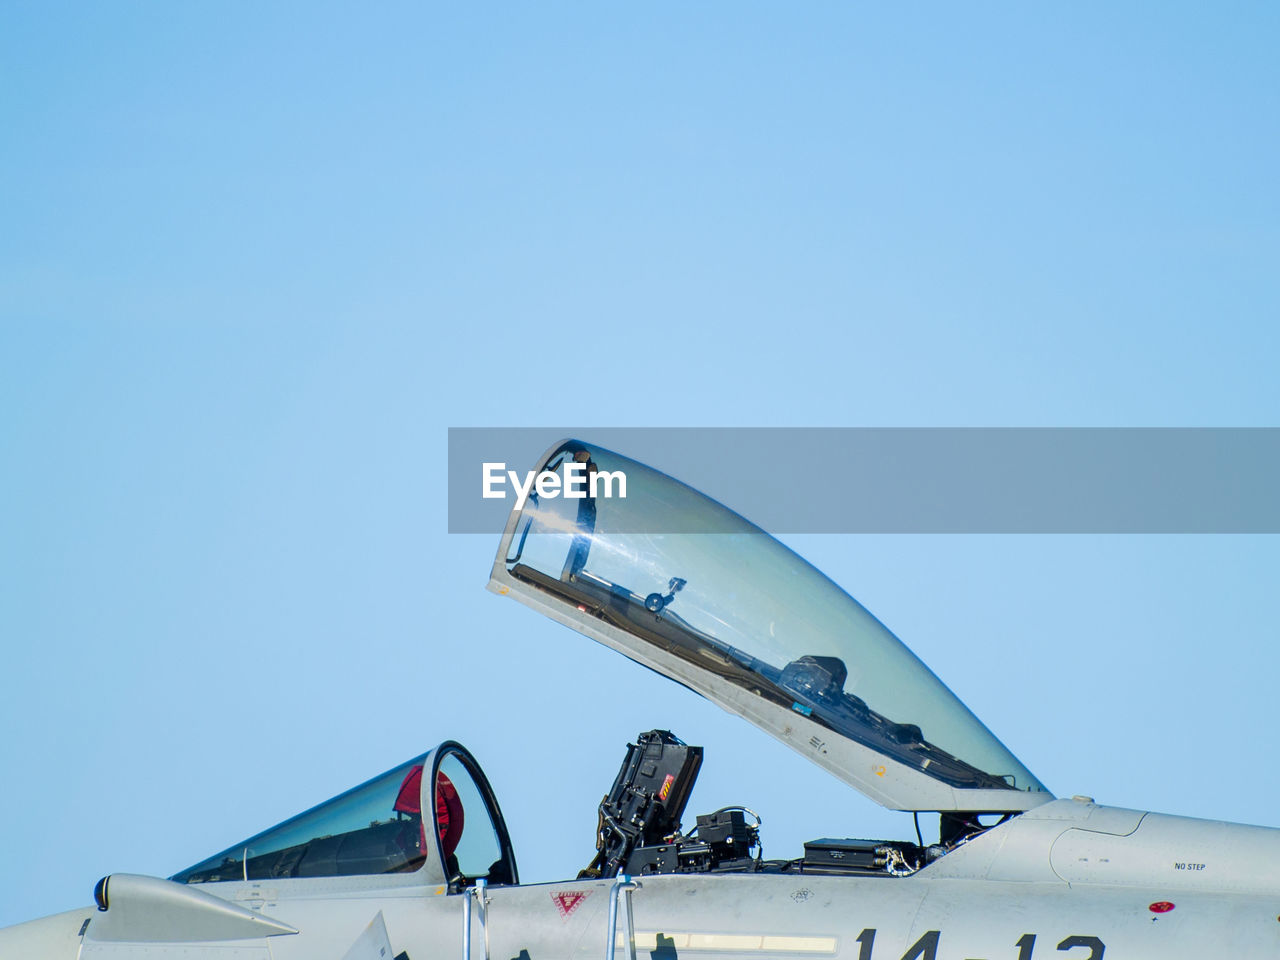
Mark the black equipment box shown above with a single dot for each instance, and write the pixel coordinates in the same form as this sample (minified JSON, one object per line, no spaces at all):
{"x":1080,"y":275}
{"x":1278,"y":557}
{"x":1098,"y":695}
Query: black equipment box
{"x":844,"y":856}
{"x":723,"y":844}
{"x":662,"y":859}
{"x":726,"y":828}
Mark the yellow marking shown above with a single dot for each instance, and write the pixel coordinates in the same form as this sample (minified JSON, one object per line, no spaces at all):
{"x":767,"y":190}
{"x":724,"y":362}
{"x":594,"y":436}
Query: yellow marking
{"x":439,"y":891}
{"x":731,"y":942}
{"x":724,"y":941}
{"x":503,"y":591}
{"x":799,"y":944}
{"x":878,"y":771}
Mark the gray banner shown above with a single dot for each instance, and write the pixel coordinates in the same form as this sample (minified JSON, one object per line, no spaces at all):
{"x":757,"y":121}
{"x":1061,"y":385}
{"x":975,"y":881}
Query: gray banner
{"x":923,"y":480}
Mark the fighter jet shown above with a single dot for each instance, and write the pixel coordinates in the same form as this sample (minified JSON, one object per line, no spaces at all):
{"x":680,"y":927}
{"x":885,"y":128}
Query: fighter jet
{"x":417,"y":864}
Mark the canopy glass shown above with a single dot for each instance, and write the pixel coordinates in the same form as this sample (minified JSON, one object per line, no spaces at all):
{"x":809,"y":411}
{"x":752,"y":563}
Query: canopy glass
{"x":682,"y":574}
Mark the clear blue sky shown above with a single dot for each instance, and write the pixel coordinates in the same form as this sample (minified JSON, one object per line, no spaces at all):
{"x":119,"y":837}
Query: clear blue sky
{"x":256,"y":259}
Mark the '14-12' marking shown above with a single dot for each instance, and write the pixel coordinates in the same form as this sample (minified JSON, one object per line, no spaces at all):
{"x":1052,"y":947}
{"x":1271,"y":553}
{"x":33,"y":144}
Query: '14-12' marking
{"x":926,"y":948}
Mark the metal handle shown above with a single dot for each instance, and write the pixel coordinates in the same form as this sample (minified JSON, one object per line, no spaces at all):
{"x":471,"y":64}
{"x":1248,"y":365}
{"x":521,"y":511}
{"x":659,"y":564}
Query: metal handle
{"x":480,"y":892}
{"x":621,"y":889}
{"x":466,"y":925}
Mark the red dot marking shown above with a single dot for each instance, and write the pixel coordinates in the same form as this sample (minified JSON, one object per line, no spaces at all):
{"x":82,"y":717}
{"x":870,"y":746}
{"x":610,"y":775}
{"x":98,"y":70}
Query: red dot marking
{"x":1161,"y":906}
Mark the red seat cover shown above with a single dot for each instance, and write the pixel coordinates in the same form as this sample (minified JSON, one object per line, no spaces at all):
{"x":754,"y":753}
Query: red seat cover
{"x":450,"y":817}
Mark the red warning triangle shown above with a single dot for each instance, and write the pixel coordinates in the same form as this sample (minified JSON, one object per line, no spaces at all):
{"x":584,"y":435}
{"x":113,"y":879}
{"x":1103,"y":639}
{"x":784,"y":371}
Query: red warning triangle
{"x":569,"y":901}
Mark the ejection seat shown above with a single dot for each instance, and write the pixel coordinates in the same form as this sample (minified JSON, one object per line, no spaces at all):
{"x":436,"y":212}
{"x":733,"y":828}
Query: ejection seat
{"x":450,"y":817}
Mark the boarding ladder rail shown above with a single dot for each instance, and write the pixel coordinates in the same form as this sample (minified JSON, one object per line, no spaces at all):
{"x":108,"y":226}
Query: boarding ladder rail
{"x":480,"y":892}
{"x":621,"y":891}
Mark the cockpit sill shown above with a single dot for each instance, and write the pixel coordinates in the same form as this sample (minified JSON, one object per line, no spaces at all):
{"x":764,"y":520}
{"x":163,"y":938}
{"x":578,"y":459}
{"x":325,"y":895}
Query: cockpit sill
{"x":1070,"y":841}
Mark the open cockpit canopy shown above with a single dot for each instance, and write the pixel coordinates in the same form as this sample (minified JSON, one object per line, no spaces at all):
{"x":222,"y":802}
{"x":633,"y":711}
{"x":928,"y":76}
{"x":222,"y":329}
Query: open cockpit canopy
{"x":678,"y":582}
